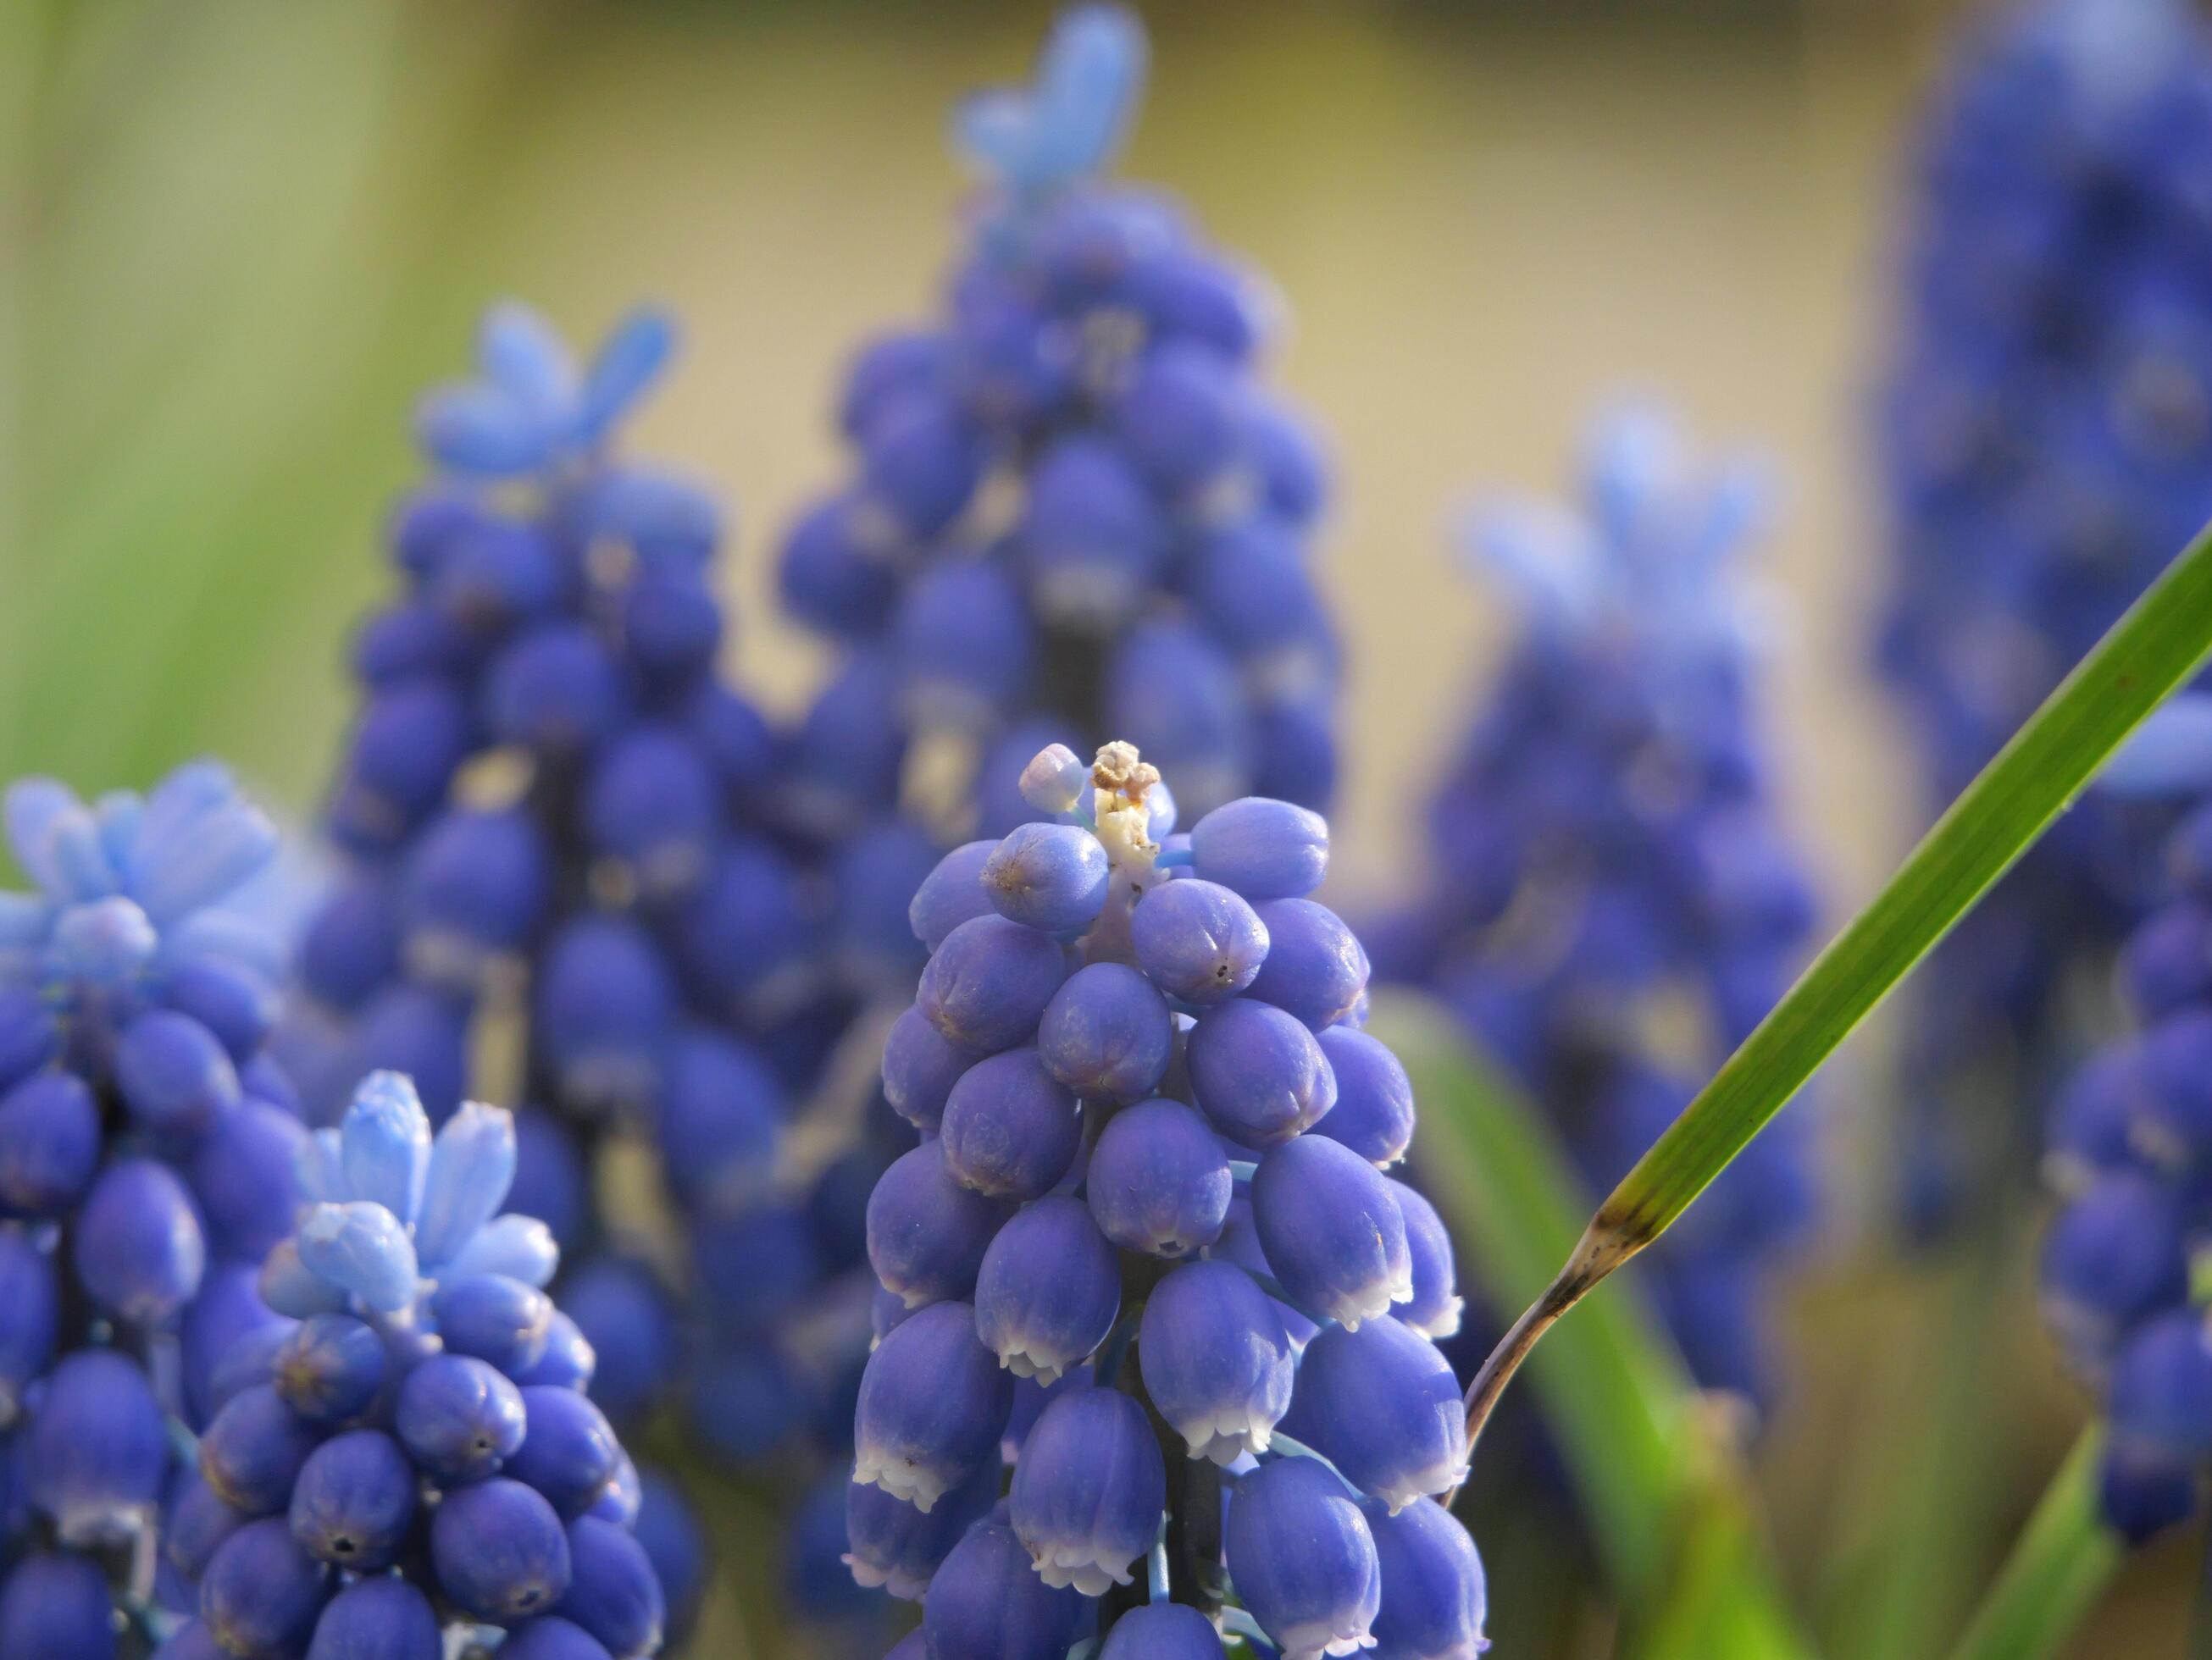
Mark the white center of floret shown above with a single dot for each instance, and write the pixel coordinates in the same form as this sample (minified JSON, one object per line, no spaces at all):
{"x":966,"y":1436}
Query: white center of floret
{"x":899,"y":1580}
{"x":1025,"y":1362}
{"x":1226,"y":1436}
{"x":1086,"y":1566}
{"x":1311,"y":1640}
{"x":1410,"y":1487}
{"x":1349,"y":1308}
{"x":1446,"y":1323}
{"x":900,"y":1476}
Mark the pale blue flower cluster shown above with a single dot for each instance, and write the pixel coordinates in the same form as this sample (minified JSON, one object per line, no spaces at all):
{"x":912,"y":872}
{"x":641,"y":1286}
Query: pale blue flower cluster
{"x":128,"y":887}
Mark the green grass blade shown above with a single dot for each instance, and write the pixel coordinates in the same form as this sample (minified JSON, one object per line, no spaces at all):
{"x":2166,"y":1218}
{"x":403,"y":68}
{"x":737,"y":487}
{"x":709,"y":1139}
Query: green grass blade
{"x":1669,"y":1515}
{"x":2152,"y":649}
{"x":2064,"y":1559}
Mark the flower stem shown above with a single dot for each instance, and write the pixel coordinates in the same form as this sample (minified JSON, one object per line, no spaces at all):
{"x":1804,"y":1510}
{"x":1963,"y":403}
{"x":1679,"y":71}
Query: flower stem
{"x":1584,"y":1269}
{"x":2058,"y":1567}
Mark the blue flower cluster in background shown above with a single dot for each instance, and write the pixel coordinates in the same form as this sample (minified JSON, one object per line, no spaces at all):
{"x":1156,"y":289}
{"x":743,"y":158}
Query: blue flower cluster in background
{"x":402,"y":1454}
{"x":568,"y":884}
{"x":147,"y":1143}
{"x":1151,"y":1185}
{"x":1613,"y":901}
{"x":2128,"y":1143}
{"x":2046,"y":438}
{"x":1075,"y":512}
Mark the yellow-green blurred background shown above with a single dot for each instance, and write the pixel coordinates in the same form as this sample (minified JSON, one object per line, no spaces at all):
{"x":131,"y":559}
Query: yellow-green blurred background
{"x":236,"y":236}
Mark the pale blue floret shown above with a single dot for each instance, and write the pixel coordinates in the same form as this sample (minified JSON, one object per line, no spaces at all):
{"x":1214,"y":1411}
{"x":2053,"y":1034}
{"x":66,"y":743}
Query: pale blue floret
{"x":533,"y":408}
{"x":385,"y":1144}
{"x":1649,"y":551}
{"x":1036,"y":142}
{"x":389,"y":1211}
{"x":471,"y":1168}
{"x":126,"y":888}
{"x":362,"y":1249}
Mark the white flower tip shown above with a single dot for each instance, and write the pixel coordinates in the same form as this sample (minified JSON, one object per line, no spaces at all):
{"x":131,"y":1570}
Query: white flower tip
{"x":1446,"y":1323}
{"x":900,"y":1477}
{"x":866,"y":1575}
{"x":1044,"y":1369}
{"x":1088,"y":1568}
{"x":1226,"y":1436}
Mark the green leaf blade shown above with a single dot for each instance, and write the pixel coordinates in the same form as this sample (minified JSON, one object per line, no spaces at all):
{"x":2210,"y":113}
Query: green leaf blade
{"x":2061,"y":1564}
{"x":2155,"y":648}
{"x":1666,"y":1505}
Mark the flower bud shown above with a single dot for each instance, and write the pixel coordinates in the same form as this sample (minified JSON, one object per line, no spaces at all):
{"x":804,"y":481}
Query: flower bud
{"x":1434,"y":1599}
{"x":1049,"y":1290}
{"x":1089,"y":1490}
{"x":1215,"y":1359}
{"x":933,"y":1402}
{"x":986,"y":1602}
{"x":1332,"y":1230}
{"x":1305,"y":1559}
{"x":1381,"y":1404}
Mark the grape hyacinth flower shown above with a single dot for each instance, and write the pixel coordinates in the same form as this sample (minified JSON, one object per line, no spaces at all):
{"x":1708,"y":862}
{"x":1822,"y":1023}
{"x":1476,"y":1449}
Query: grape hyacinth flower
{"x":1147,"y":1279}
{"x":2045,"y":432}
{"x":408,"y":1454}
{"x":2129,"y":1133}
{"x":1075,"y":511}
{"x":569,"y":885}
{"x":146,"y":1141}
{"x":1613,"y":901}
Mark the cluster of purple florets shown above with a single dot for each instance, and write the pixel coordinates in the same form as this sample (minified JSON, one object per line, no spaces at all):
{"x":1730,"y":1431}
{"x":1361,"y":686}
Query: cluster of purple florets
{"x":570,"y":882}
{"x":1076,"y":513}
{"x":2046,"y":435}
{"x":402,"y":1450}
{"x":1614,"y":902}
{"x":1146,"y":1251}
{"x":146,"y":1149}
{"x":2129,"y":1145}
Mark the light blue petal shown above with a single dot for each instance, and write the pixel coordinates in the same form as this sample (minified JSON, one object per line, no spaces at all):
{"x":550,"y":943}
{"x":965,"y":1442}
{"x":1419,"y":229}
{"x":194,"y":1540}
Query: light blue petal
{"x":185,"y":791}
{"x":481,"y":431}
{"x":290,"y":1286}
{"x":362,"y":1250}
{"x":108,"y":942}
{"x":79,"y":862}
{"x":385,"y":1145}
{"x":1092,"y":75}
{"x":523,"y":357}
{"x":1543,"y":553}
{"x":471,"y":1168}
{"x":122,"y":816}
{"x":25,"y":919}
{"x":992,"y":129}
{"x":1741,"y":503}
{"x":521,"y":1247}
{"x":1066,"y":127}
{"x":1632,"y":460}
{"x":319,"y":1168}
{"x":226,"y":849}
{"x":2169,"y":754}
{"x":32,"y":807}
{"x":630,"y":360}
